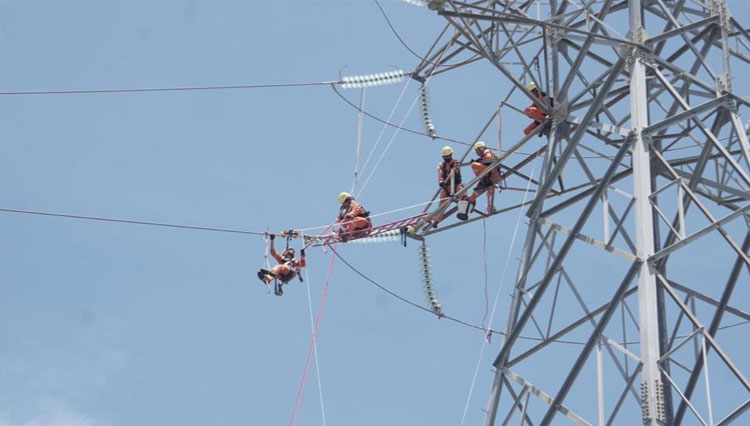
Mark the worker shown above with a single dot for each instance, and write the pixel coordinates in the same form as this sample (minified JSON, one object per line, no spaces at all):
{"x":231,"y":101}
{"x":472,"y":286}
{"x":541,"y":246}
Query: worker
{"x":449,"y":181}
{"x":536,"y":113}
{"x":287,"y":268}
{"x":488,"y":181}
{"x":354,"y":219}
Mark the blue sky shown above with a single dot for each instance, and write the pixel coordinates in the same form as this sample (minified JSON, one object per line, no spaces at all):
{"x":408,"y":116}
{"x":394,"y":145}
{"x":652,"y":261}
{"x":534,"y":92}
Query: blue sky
{"x":116,"y":324}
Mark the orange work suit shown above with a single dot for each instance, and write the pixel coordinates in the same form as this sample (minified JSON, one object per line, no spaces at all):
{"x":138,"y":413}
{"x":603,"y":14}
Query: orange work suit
{"x":286,"y":269}
{"x":353,"y":217}
{"x":445,"y":170}
{"x":535,"y":113}
{"x":488,"y":182}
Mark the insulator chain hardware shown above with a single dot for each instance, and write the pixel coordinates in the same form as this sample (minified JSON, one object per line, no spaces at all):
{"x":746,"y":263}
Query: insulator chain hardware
{"x":385,"y":237}
{"x":424,"y":101}
{"x":371,"y":80}
{"x":429,"y":290}
{"x":417,"y":2}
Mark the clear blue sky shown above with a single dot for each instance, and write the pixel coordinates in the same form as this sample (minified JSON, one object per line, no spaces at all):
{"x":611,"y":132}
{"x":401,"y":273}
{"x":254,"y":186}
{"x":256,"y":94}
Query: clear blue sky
{"x":115,"y":324}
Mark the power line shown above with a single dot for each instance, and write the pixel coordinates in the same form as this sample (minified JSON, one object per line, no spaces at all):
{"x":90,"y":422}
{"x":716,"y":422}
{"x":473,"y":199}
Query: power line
{"x":164,"y":89}
{"x":403,"y":43}
{"x":388,"y":123}
{"x":478,"y":327}
{"x":134,"y":222}
{"x":418,"y":306}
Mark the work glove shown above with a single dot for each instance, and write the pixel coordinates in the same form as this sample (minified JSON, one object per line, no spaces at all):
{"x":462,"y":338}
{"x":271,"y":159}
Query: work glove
{"x":272,"y":236}
{"x":302,"y":252}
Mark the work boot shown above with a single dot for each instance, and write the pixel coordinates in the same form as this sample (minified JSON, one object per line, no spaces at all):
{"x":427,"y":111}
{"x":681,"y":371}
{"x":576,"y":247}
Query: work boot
{"x":267,"y":272}
{"x":262,"y":276}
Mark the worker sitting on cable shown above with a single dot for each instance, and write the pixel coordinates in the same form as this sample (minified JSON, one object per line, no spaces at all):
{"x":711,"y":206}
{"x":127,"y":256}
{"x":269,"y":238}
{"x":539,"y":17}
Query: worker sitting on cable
{"x":488,"y":181}
{"x":285,"y":271}
{"x":449,"y":180}
{"x":354,"y":219}
{"x":536,"y":113}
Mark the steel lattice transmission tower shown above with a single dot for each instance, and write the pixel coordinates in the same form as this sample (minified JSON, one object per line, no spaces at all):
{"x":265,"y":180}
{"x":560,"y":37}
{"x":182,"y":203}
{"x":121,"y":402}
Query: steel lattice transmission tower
{"x":635,"y":264}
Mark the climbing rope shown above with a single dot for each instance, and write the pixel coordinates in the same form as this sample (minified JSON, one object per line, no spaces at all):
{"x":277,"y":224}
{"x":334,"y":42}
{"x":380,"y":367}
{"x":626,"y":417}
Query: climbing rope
{"x":421,"y":95}
{"x":382,"y":130}
{"x":297,"y":407}
{"x":315,"y":348}
{"x":486,"y":277}
{"x":486,"y":340}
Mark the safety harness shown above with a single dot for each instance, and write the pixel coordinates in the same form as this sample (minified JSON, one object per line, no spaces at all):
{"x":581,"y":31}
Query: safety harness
{"x":448,"y":169}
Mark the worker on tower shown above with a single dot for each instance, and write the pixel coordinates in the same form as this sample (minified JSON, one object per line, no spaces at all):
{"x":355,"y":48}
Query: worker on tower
{"x":353,"y":218}
{"x":287,"y":268}
{"x":488,"y":181}
{"x":535,"y":112}
{"x":449,"y":181}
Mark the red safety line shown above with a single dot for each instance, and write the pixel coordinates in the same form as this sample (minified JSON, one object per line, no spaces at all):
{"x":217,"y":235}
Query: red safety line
{"x":297,"y":407}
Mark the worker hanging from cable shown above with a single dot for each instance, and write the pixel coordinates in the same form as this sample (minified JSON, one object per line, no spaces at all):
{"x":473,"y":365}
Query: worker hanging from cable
{"x":536,"y":113}
{"x":449,"y":181}
{"x":353,"y":218}
{"x":486,"y":184}
{"x":287,"y":268}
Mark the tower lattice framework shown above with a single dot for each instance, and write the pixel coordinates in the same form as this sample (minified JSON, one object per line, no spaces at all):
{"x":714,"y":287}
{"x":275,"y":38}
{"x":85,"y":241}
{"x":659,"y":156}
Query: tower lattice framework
{"x":634,"y":277}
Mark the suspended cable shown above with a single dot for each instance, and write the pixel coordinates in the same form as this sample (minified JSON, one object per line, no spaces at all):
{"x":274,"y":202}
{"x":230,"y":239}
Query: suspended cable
{"x":172,"y":225}
{"x":315,"y":347}
{"x":387,"y":147}
{"x":486,"y":276}
{"x":297,"y":407}
{"x":165,"y":89}
{"x":497,"y":297}
{"x":403,"y":42}
{"x":134,"y":222}
{"x":420,"y":95}
{"x":448,"y":317}
{"x":360,"y":118}
{"x":388,"y":123}
{"x":382,"y":130}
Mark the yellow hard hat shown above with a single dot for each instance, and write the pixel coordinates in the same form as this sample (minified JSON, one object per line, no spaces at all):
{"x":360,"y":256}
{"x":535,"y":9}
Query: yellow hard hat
{"x":447,"y":151}
{"x":344,"y":196}
{"x":480,"y":144}
{"x":531,"y":86}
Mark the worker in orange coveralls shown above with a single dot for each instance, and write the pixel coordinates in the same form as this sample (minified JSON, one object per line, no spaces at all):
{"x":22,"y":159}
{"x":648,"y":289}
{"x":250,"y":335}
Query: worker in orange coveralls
{"x":534,"y":112}
{"x":449,"y":180}
{"x":287,"y":268}
{"x":488,"y":182}
{"x":354,"y":219}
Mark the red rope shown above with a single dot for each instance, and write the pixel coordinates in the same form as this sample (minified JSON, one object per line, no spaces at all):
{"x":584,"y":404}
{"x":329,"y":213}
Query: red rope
{"x":305,"y":373}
